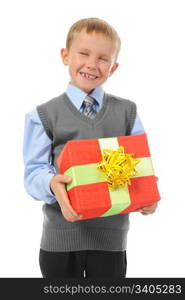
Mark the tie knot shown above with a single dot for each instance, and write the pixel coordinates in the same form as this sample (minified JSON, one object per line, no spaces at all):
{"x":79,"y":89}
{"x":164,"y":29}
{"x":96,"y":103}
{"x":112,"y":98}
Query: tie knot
{"x":87,"y":107}
{"x":89,"y":101}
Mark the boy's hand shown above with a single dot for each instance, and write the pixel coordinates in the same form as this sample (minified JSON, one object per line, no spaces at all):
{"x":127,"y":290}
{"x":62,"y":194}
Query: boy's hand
{"x":148,"y":209}
{"x":57,"y":185}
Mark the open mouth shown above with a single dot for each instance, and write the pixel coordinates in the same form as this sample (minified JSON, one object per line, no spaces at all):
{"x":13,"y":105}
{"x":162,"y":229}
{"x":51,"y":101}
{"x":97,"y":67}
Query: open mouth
{"x":88,"y":76}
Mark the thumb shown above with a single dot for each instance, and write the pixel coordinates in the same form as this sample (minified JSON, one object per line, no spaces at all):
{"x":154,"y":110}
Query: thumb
{"x":65,"y":178}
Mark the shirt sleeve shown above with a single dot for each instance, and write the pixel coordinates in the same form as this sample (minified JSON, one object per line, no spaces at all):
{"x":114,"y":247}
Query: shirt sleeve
{"x":38,"y":170}
{"x":138,"y":127}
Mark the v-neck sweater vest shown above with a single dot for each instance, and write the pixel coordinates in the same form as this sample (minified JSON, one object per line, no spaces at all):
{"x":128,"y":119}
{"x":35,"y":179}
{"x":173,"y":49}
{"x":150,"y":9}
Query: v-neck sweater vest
{"x":63,"y":122}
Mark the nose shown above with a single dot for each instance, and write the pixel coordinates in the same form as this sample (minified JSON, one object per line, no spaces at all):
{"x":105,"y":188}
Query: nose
{"x":91,"y":63}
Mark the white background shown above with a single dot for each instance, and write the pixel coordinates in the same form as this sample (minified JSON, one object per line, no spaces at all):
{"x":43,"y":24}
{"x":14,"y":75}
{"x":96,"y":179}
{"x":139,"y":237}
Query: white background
{"x":151,"y":73}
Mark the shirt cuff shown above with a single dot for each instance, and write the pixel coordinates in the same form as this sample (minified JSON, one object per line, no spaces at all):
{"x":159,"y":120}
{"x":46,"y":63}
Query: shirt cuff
{"x":47,"y":180}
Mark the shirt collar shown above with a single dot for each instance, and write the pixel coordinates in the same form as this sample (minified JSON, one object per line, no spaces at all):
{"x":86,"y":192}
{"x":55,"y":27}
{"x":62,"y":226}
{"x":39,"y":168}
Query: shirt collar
{"x":77,"y":96}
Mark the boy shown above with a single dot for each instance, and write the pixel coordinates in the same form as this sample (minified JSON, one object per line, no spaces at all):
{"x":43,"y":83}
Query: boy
{"x":95,"y":246}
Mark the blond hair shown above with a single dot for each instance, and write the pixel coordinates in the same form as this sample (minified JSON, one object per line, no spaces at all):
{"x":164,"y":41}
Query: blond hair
{"x":94,"y":25}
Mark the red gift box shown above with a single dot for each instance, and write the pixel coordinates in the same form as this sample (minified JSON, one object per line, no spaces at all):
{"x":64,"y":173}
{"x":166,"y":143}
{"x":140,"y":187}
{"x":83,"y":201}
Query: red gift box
{"x":90,"y":193}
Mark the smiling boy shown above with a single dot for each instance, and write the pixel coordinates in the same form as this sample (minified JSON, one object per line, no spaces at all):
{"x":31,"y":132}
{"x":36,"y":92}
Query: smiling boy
{"x":91,"y":59}
{"x":95,"y":246}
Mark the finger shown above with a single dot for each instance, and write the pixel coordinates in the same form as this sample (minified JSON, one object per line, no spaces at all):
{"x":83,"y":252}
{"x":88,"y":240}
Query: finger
{"x":69,"y":210}
{"x":72,"y":220}
{"x":147,"y":208}
{"x":69,"y":217}
{"x":61,"y":191}
{"x":65,"y":204}
{"x":148,"y":212}
{"x":64,"y":178}
{"x":62,"y":194}
{"x":142,"y":210}
{"x":67,"y":213}
{"x":144,"y":214}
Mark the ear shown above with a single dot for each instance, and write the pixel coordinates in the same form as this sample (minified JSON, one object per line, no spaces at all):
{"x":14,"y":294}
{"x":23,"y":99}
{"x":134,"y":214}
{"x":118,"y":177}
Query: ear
{"x":64,"y":55}
{"x":113,"y":69}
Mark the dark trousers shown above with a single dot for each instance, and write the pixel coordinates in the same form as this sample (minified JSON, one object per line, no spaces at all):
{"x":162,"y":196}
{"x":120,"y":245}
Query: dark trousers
{"x":80,"y":264}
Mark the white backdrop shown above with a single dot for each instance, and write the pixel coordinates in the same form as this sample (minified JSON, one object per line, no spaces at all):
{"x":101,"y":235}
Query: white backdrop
{"x":151,"y":73}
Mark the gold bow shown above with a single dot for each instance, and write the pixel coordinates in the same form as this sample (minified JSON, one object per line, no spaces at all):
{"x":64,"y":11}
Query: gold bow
{"x":118,"y":167}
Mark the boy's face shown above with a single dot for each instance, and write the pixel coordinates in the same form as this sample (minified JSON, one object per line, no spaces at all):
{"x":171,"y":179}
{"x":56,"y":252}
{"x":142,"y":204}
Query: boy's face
{"x":91,"y":60}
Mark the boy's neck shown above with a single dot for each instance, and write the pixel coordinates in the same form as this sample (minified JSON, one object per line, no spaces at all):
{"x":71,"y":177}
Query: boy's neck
{"x":81,"y":89}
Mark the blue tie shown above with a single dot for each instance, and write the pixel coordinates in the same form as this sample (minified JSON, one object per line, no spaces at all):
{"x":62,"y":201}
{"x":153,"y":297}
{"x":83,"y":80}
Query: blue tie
{"x":87,"y":107}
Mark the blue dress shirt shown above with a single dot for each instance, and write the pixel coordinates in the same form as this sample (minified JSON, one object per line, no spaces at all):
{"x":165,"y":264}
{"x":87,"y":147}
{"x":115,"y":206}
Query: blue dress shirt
{"x":37,"y":146}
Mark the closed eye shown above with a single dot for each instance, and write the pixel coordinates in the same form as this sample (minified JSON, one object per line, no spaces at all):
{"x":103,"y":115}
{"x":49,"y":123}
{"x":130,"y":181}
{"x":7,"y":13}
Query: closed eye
{"x":104,"y":59}
{"x":83,"y":53}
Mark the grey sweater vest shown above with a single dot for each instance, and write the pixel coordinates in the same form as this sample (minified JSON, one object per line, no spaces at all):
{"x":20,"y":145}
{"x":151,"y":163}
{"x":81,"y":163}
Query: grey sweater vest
{"x":63,"y":122}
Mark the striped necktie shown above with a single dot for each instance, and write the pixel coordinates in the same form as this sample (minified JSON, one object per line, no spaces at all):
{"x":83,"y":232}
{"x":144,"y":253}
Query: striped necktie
{"x":87,"y":107}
